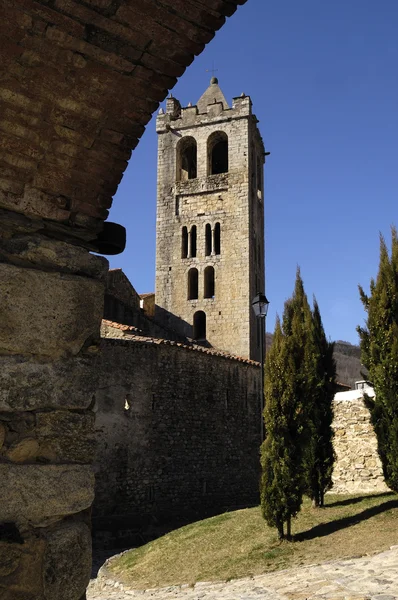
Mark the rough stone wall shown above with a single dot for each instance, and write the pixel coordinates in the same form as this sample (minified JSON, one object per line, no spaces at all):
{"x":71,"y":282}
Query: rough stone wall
{"x":178,"y":433}
{"x":119,"y":286}
{"x":228,"y":199}
{"x":51,"y":299}
{"x":358,"y":468}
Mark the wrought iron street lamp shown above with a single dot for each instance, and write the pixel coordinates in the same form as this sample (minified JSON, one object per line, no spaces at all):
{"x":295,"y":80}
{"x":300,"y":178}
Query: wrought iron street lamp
{"x":260,"y":306}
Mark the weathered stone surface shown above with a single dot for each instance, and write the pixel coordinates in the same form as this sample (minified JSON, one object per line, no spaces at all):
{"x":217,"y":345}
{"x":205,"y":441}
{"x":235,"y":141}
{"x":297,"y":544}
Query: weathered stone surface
{"x":33,"y":493}
{"x":27,"y":383}
{"x":67,"y":562}
{"x":10,"y":556}
{"x":66,"y":311}
{"x":17,"y":595}
{"x":25,"y":450}
{"x":358,"y":467}
{"x":25,"y":581}
{"x":47,"y":253}
{"x":2,"y":435}
{"x":65,"y":436}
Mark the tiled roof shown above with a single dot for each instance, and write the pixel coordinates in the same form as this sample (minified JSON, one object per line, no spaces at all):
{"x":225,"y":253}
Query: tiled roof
{"x":128,"y":328}
{"x":135,"y":336}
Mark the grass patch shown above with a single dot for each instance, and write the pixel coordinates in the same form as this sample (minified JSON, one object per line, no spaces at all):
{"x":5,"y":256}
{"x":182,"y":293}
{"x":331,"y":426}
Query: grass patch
{"x":240,"y":544}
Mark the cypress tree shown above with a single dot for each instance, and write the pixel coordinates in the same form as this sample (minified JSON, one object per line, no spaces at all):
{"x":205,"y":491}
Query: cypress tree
{"x":287,"y":384}
{"x":281,"y":481}
{"x":320,"y":455}
{"x":379,"y":353}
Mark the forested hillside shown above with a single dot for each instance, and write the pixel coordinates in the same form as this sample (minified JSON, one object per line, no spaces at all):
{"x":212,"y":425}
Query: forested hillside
{"x":348,"y":361}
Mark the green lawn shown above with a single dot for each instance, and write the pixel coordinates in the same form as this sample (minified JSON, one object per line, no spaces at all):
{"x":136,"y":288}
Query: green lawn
{"x":240,"y":544}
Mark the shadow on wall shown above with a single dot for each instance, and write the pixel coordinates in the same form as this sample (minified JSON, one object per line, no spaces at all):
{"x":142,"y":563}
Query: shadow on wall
{"x":178,"y":433}
{"x":192,"y":333}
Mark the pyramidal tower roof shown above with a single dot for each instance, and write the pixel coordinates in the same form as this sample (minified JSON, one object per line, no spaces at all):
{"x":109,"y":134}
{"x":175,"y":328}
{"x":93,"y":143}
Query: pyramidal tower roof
{"x":212,"y":95}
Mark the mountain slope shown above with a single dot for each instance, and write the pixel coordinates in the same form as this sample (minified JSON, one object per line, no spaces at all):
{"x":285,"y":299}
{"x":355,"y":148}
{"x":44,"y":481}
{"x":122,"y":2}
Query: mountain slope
{"x":348,"y":361}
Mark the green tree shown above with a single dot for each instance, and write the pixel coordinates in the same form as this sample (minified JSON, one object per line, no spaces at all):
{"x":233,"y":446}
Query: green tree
{"x":286,"y":415}
{"x":281,"y":481}
{"x":320,"y":453}
{"x":379,"y":352}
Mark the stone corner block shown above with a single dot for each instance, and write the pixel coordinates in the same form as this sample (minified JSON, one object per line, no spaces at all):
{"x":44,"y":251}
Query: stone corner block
{"x":47,"y":313}
{"x":35,"y":494}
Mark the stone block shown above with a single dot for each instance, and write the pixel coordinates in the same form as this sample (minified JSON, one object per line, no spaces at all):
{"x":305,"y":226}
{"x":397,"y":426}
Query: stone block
{"x":2,"y":435}
{"x":66,"y":436}
{"x":28,"y":384}
{"x":35,"y":494}
{"x":41,"y":251}
{"x":21,"y":577}
{"x":10,"y":556}
{"x":67,"y":562}
{"x":24,"y":450}
{"x":58,"y":315}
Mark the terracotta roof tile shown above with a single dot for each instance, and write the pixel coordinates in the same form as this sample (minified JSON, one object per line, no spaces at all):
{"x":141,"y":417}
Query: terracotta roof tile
{"x":121,"y":326}
{"x":135,"y":335}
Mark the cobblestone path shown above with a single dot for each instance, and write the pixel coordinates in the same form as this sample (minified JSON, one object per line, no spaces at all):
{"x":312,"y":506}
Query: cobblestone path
{"x":368,"y":578}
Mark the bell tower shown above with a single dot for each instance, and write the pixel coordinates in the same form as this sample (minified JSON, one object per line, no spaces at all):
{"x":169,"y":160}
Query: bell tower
{"x":210,"y":221}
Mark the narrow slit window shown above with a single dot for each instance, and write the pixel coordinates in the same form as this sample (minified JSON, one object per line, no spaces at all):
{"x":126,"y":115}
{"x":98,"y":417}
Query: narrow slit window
{"x":208,"y":239}
{"x":193,"y":241}
{"x":209,"y":282}
{"x":259,"y":178}
{"x":199,"y":325}
{"x":193,"y":284}
{"x":217,"y":238}
{"x":184,"y":243}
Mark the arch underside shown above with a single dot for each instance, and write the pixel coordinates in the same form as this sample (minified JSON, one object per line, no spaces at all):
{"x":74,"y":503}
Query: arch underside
{"x":80,"y":81}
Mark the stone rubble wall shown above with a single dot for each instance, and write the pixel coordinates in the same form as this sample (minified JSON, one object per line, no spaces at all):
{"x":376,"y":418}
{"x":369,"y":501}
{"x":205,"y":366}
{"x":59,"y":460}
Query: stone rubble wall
{"x":178,"y":434}
{"x":357,"y":468}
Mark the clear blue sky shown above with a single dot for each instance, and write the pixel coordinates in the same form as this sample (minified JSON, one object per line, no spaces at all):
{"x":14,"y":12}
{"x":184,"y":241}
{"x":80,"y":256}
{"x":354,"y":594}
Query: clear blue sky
{"x":323,"y":78}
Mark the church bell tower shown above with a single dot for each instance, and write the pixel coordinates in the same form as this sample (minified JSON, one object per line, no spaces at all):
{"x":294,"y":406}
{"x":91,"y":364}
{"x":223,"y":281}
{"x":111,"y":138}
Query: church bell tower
{"x":210,"y":221}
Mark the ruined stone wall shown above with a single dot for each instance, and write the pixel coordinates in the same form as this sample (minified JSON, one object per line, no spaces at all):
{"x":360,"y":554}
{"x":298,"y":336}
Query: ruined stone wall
{"x":226,"y":199}
{"x":358,"y":467}
{"x":178,"y":433}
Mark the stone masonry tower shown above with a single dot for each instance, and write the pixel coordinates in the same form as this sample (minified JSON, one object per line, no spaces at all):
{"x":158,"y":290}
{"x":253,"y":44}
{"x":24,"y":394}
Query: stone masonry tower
{"x":210,"y":221}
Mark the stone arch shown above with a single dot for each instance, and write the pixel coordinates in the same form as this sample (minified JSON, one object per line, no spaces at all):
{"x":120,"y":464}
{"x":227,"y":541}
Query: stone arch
{"x":217,"y":153}
{"x":186,"y":159}
{"x":81,"y":81}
